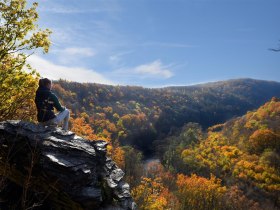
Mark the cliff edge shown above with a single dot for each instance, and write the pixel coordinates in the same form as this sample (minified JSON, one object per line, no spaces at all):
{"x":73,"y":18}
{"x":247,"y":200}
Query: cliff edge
{"x":47,"y":168}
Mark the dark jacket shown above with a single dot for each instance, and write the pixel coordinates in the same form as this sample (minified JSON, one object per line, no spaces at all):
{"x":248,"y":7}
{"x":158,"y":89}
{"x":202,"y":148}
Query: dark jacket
{"x":45,"y":102}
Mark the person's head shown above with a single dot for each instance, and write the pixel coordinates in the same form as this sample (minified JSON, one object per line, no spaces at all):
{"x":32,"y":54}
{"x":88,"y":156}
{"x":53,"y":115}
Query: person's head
{"x":45,"y":82}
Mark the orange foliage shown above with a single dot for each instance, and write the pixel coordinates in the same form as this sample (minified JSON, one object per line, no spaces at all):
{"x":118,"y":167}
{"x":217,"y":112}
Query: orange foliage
{"x":133,"y":120}
{"x":264,"y":139}
{"x":216,"y":128}
{"x":200,"y":193}
{"x":81,"y":128}
{"x":152,"y":195}
{"x":65,"y":94}
{"x":155,"y":169}
{"x":118,"y":157}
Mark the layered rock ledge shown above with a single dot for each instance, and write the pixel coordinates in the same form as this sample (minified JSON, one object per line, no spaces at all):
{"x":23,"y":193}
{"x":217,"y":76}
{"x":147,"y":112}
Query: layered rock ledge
{"x":47,"y":168}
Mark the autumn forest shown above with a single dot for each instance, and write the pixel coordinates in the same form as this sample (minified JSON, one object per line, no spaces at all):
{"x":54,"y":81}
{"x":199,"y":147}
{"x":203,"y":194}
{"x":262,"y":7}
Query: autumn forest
{"x":209,"y":146}
{"x":187,"y":147}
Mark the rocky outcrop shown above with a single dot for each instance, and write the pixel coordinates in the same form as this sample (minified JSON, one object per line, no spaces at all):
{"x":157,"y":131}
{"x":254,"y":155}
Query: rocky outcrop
{"x":46,"y":168}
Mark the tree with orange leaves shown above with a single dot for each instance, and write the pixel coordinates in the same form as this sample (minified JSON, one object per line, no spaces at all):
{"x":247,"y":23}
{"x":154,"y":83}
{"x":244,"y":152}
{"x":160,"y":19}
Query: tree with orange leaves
{"x":200,"y":193}
{"x":81,"y":128}
{"x":152,"y":195}
{"x":118,"y":156}
{"x":264,"y":139}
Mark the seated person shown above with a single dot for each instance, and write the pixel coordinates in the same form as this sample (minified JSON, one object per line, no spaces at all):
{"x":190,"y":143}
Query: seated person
{"x":45,"y":101}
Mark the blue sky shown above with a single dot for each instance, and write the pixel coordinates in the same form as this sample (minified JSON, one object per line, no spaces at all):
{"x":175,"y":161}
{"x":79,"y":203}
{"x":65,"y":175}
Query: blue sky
{"x":155,"y":43}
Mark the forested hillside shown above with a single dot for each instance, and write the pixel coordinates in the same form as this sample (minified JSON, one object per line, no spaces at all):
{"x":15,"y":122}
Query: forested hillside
{"x":137,"y":116}
{"x":208,"y":146}
{"x":243,"y":154}
{"x":208,"y":156}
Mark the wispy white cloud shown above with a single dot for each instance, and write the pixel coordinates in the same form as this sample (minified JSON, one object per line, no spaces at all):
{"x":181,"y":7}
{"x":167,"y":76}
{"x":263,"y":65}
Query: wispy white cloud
{"x":62,"y":35}
{"x":167,"y":44}
{"x":54,"y":71}
{"x":61,"y":10}
{"x":73,"y":55}
{"x":63,"y":7}
{"x":78,"y":51}
{"x":117,"y":58}
{"x":68,"y":10}
{"x":154,"y":70}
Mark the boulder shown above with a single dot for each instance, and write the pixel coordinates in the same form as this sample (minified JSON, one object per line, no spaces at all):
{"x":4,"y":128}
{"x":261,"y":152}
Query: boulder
{"x":47,"y":168}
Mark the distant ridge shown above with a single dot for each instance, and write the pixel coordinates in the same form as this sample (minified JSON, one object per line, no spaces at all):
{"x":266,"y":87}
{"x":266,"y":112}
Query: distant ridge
{"x":141,"y":115}
{"x":221,"y":82}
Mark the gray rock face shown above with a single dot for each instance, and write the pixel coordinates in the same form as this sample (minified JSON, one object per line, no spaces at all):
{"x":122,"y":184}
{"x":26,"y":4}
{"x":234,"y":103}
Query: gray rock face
{"x":67,"y":171}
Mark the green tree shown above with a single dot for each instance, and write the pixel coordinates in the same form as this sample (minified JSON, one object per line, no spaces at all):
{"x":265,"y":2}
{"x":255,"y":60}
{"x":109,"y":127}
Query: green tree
{"x":133,"y":165}
{"x":20,"y":36}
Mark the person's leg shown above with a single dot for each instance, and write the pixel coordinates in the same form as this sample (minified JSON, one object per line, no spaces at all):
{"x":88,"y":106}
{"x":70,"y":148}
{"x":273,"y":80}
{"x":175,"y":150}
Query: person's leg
{"x":63,"y":116}
{"x":66,"y":120}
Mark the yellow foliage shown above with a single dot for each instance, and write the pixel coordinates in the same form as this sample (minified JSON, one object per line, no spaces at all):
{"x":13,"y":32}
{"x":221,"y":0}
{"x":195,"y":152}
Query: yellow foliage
{"x":19,"y":36}
{"x":200,"y":193}
{"x":17,"y":93}
{"x":118,"y":156}
{"x":152,"y":195}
